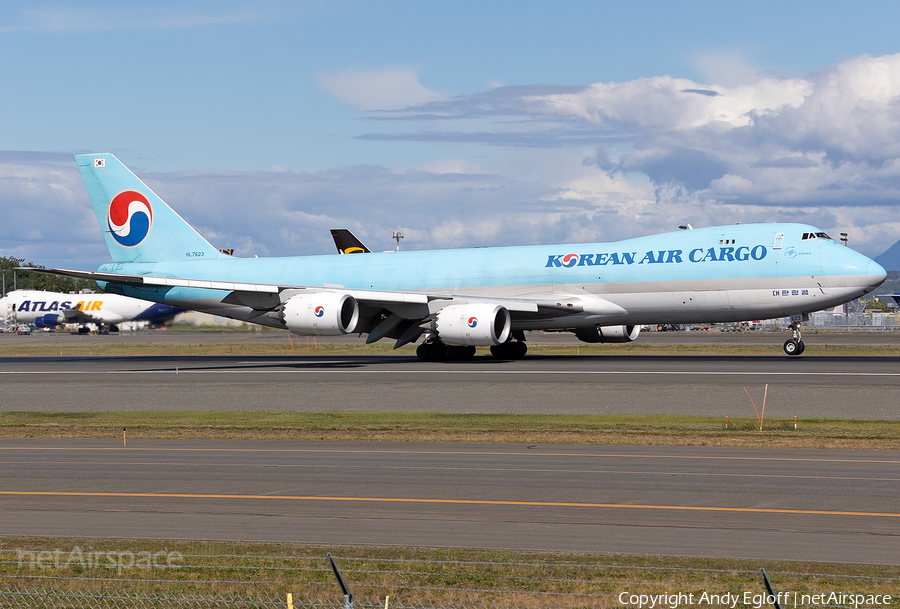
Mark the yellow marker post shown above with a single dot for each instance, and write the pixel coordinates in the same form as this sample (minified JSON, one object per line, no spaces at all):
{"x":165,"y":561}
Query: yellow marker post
{"x":290,"y":601}
{"x":124,"y":441}
{"x":386,"y":599}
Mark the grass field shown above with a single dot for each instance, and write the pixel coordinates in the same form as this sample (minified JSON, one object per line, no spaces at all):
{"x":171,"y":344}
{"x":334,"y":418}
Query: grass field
{"x":421,"y":575}
{"x":442,"y":427}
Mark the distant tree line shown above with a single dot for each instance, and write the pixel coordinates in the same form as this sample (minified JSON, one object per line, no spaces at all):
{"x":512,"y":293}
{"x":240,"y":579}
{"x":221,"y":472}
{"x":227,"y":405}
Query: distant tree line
{"x":25,"y":280}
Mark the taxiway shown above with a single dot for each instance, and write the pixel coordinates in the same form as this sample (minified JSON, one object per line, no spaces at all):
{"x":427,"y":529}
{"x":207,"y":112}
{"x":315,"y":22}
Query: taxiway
{"x":769,"y":504}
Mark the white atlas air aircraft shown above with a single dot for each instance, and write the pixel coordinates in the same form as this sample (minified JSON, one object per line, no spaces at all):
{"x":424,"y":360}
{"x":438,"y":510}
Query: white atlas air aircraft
{"x":464,"y":298}
{"x":51,"y":309}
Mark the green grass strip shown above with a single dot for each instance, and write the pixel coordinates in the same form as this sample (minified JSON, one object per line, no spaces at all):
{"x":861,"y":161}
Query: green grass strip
{"x":420,"y":575}
{"x":451,"y":427}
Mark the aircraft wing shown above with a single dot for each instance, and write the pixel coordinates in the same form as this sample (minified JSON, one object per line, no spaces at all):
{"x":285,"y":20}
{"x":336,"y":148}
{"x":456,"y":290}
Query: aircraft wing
{"x":72,"y":316}
{"x":416,"y":307}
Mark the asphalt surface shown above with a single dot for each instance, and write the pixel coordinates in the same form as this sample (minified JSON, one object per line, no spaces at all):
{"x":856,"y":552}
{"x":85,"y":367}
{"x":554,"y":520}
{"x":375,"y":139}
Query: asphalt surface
{"x":808,"y":386}
{"x":818,"y":505}
{"x":258,"y":335}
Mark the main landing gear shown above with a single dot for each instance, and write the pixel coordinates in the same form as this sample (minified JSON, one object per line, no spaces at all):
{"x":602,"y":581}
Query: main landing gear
{"x":794,"y":346}
{"x":514,"y":349}
{"x":437,"y":351}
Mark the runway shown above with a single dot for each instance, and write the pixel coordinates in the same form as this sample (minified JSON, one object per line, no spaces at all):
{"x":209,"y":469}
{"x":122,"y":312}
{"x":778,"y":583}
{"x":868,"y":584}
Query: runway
{"x":859,"y":387}
{"x":257,"y":335}
{"x":769,"y":504}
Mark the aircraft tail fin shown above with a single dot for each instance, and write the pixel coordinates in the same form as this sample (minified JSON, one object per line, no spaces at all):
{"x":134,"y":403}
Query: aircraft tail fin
{"x":348,"y":243}
{"x":138,"y":225}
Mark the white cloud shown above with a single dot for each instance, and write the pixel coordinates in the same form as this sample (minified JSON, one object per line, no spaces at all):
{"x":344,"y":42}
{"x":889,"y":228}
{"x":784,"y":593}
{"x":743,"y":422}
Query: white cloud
{"x":382,"y":89}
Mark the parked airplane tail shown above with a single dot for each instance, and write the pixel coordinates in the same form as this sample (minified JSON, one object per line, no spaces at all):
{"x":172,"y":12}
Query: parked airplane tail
{"x":138,"y":225}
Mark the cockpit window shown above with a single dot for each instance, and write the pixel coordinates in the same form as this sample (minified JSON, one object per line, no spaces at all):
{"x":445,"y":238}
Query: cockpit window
{"x":822,"y":236}
{"x":814,"y":236}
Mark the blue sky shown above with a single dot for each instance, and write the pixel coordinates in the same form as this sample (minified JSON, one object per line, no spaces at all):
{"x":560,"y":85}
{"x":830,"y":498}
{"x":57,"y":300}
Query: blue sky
{"x":267,"y":123}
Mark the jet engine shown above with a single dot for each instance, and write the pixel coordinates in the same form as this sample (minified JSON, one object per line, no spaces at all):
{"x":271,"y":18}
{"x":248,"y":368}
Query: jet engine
{"x":479,"y":325}
{"x":325,"y":314}
{"x":608,"y":334}
{"x":47,"y":321}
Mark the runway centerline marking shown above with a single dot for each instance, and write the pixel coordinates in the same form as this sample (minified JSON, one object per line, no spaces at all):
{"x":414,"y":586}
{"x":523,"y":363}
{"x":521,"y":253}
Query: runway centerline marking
{"x":452,"y":469}
{"x":449,"y":452}
{"x":452,"y":502}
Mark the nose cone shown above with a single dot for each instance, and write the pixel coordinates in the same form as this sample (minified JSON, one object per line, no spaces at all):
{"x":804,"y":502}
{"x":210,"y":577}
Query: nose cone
{"x":849,"y":273}
{"x":876,"y":274}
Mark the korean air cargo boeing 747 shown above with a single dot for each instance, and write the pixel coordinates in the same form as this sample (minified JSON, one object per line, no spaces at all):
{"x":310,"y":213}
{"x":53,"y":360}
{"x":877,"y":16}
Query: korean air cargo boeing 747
{"x":456,"y":300}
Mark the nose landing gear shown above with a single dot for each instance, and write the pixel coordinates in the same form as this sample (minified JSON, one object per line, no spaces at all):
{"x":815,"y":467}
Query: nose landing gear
{"x":794,"y":346}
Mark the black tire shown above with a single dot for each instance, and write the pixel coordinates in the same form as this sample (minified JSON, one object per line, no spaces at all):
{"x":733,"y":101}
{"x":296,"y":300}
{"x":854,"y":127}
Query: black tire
{"x":435,"y":352}
{"x":469,"y":352}
{"x":500,"y":351}
{"x":802,"y":347}
{"x":452,"y":353}
{"x":422,"y":352}
{"x":517,"y":350}
{"x":792,"y":347}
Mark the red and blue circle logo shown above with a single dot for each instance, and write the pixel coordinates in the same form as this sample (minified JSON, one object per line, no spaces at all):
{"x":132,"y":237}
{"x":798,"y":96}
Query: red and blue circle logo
{"x":129,"y":218}
{"x":570,"y":260}
{"x":320,"y":311}
{"x":473,"y":321}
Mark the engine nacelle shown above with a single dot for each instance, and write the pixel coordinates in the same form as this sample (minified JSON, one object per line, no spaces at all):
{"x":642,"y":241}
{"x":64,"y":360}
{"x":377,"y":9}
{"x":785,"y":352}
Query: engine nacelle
{"x":479,"y":325}
{"x":325,"y":314}
{"x":608,"y":334}
{"x":47,"y":321}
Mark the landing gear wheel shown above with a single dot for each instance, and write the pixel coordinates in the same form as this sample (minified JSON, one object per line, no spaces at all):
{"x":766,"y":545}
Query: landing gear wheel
{"x":431,"y":352}
{"x":512,"y":350}
{"x":435,"y":352}
{"x":452,"y":352}
{"x":793,"y":346}
{"x":517,"y":350}
{"x":468,"y":352}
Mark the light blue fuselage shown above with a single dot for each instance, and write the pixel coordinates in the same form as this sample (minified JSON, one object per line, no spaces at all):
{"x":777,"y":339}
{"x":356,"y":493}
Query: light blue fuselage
{"x":715,"y":274}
